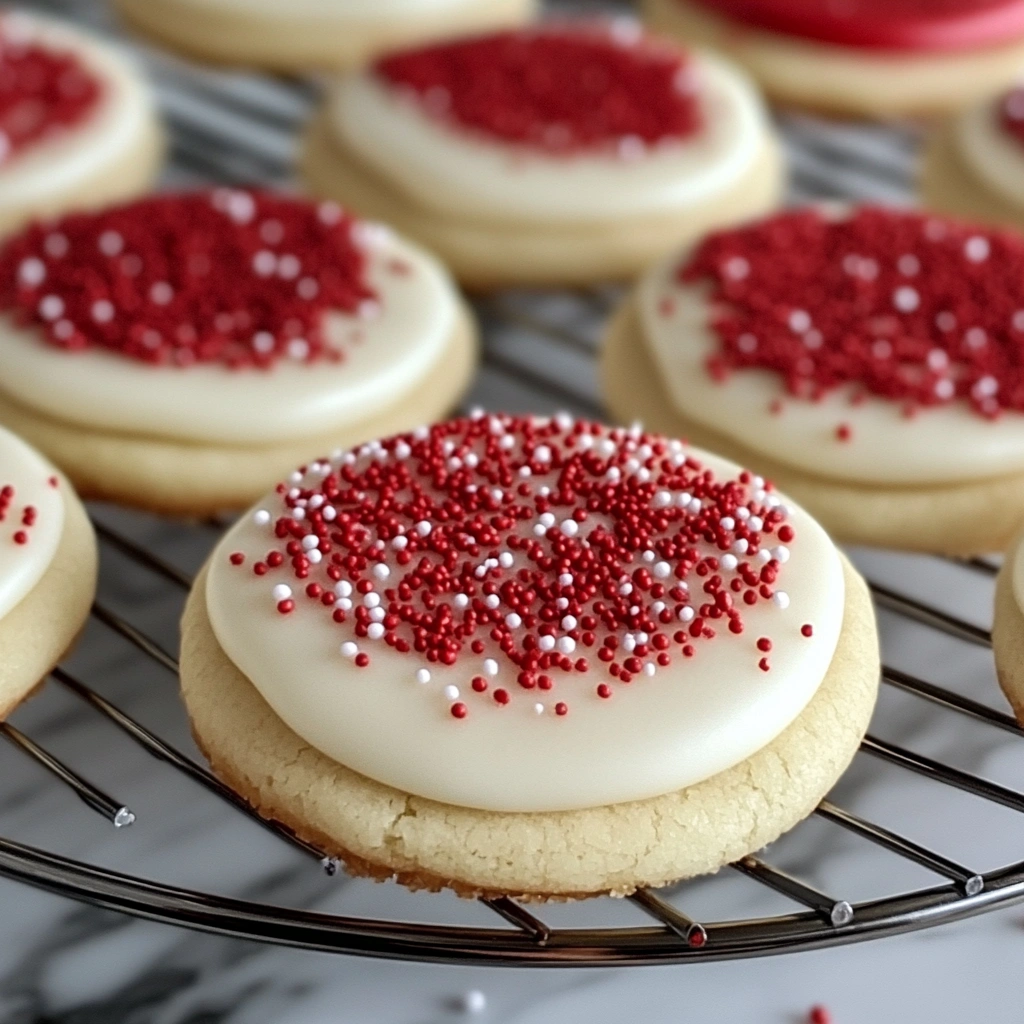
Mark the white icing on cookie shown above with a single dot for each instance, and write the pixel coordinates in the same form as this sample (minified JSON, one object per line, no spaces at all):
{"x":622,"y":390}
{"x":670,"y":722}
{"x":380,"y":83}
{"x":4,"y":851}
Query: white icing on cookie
{"x":56,"y":166}
{"x":453,"y":172}
{"x":339,"y":10}
{"x":942,"y":444}
{"x":28,"y":542}
{"x":390,"y":720}
{"x":992,"y":154}
{"x":387,"y":351}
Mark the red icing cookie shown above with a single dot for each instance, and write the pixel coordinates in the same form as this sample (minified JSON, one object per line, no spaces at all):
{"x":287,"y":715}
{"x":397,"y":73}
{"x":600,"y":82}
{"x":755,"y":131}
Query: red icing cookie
{"x":918,"y":309}
{"x":560,"y":89}
{"x":924,"y":25}
{"x":566,"y":545}
{"x":232,"y":277}
{"x":42,"y":91}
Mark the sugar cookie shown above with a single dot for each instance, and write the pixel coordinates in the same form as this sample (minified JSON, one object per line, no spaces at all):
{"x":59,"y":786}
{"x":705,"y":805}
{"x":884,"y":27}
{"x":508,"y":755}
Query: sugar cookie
{"x":297,"y":35}
{"x":559,"y":154}
{"x":874,"y":58}
{"x":1008,"y":627}
{"x":536,"y":657}
{"x":180,"y":352}
{"x":865,"y":360}
{"x":77,"y":123}
{"x":47,"y":569}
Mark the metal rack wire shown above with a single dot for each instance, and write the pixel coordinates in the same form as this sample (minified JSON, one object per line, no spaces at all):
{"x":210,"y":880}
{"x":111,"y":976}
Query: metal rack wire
{"x":231,"y":127}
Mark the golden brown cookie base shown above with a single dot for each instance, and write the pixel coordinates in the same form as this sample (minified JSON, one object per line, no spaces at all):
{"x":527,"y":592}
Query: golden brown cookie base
{"x":383,"y":833}
{"x":960,"y":520}
{"x":37,"y":633}
{"x":1008,"y":635}
{"x":178,"y":478}
{"x":949,"y":186}
{"x":132,"y":175}
{"x":840,"y":80}
{"x":288,"y":42}
{"x":486,"y":254}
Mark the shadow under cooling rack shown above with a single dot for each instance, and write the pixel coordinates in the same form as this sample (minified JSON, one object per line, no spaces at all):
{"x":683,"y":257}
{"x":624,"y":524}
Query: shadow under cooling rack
{"x":816,"y":919}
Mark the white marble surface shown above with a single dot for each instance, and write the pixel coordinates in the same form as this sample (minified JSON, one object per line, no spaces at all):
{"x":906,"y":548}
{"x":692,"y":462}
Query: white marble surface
{"x":62,"y":963}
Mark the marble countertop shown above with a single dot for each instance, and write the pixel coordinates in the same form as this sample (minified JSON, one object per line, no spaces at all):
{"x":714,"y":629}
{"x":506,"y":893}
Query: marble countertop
{"x":65,"y":963}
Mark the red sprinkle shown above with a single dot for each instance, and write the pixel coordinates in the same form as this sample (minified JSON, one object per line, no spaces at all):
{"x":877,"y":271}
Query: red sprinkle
{"x":918,"y":309}
{"x":459,"y":710}
{"x":525,"y":542}
{"x":807,"y":630}
{"x":559,"y":88}
{"x":844,"y":432}
{"x":764,"y":644}
{"x":237,"y":558}
{"x":43,"y":91}
{"x":1011,"y":113}
{"x":819,"y":1015}
{"x":239,"y":278}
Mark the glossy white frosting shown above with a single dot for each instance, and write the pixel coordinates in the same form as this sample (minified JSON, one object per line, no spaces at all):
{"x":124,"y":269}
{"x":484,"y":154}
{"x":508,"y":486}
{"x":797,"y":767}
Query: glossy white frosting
{"x":22,"y":565}
{"x":688,"y":722}
{"x":942,"y":444}
{"x":56,"y":165}
{"x":994,"y":156}
{"x":451,"y":171}
{"x":386,"y":353}
{"x":339,"y":10}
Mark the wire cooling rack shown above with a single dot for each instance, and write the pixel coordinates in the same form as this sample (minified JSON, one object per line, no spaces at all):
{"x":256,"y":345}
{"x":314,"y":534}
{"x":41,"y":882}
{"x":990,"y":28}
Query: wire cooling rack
{"x":539,"y":353}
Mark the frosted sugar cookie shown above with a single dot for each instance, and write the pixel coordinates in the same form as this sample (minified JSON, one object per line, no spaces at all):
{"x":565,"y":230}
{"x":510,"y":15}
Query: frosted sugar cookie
{"x":875,"y":58}
{"x":973,"y":163}
{"x":298,"y":35}
{"x":77,"y":122}
{"x":537,"y":657}
{"x":180,"y":352}
{"x":868,"y":361}
{"x":47,"y":569}
{"x":559,"y":154}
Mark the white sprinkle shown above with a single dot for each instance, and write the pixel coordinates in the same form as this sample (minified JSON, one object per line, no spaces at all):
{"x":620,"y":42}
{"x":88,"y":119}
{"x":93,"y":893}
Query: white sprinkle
{"x":264,"y":263}
{"x":547,"y":519}
{"x":650,"y":668}
{"x":490,"y":666}
{"x":728,"y":561}
{"x":513,"y":620}
{"x":781,"y":553}
{"x":977,"y":249}
{"x":381,"y":571}
{"x":781,"y":599}
{"x":736,"y":268}
{"x":400,"y":543}
{"x":570,"y":527}
{"x":161,"y":293}
{"x":32,"y":272}
{"x":728,"y":523}
{"x":538,"y":709}
{"x":423,"y":528}
{"x":908,"y":265}
{"x":569,"y":623}
{"x":451,"y":692}
{"x":629,"y":643}
{"x":349,"y":649}
{"x":626,"y":588}
{"x":686,"y":613}
{"x":740,"y":546}
{"x":975,"y":337}
{"x":377,"y":614}
{"x":906,"y":299}
{"x":422,"y":676}
{"x":566,"y":645}
{"x":56,"y":245}
{"x":282,"y":592}
{"x":565,"y":579}
{"x":756,"y":523}
{"x":799,"y":321}
{"x":662,"y":499}
{"x":343,"y":588}
{"x":371,"y":600}
{"x":542,"y":453}
{"x":261,"y":517}
{"x":492,"y":601}
{"x":547,"y":643}
{"x":474,"y":1001}
{"x":945,"y":388}
{"x":51,"y":307}
{"x":662,"y":570}
{"x":111,"y":243}
{"x":310,"y":541}
{"x":506,"y":559}
{"x":375,"y":630}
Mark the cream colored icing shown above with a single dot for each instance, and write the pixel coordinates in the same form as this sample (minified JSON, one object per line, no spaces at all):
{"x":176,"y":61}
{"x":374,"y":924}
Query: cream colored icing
{"x":940,"y":444}
{"x":56,"y":165}
{"x":992,"y":154}
{"x":688,"y":722}
{"x":339,"y":10}
{"x":454,"y":172}
{"x":385,"y":353}
{"x":22,"y":565}
{"x":1017,"y":577}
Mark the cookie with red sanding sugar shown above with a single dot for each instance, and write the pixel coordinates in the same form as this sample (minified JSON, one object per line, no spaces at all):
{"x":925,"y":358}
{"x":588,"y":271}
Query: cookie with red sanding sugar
{"x":180,"y":352}
{"x":868,"y":360}
{"x":47,"y":569}
{"x":866,"y":58}
{"x":534,"y":657}
{"x":299,"y":35}
{"x":558,"y":154}
{"x":974,"y":161}
{"x":1008,"y":626}
{"x":78,"y":126}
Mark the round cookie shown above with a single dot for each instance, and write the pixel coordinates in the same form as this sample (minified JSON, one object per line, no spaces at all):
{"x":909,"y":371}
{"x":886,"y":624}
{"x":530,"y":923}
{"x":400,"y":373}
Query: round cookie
{"x":973,"y":163}
{"x":864,"y":360}
{"x":47,"y":569}
{"x":78,"y":126}
{"x":556,"y":155}
{"x":681,"y":660}
{"x":866,"y":58}
{"x":180,"y":352}
{"x":1008,"y":627}
{"x":297,"y":35}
